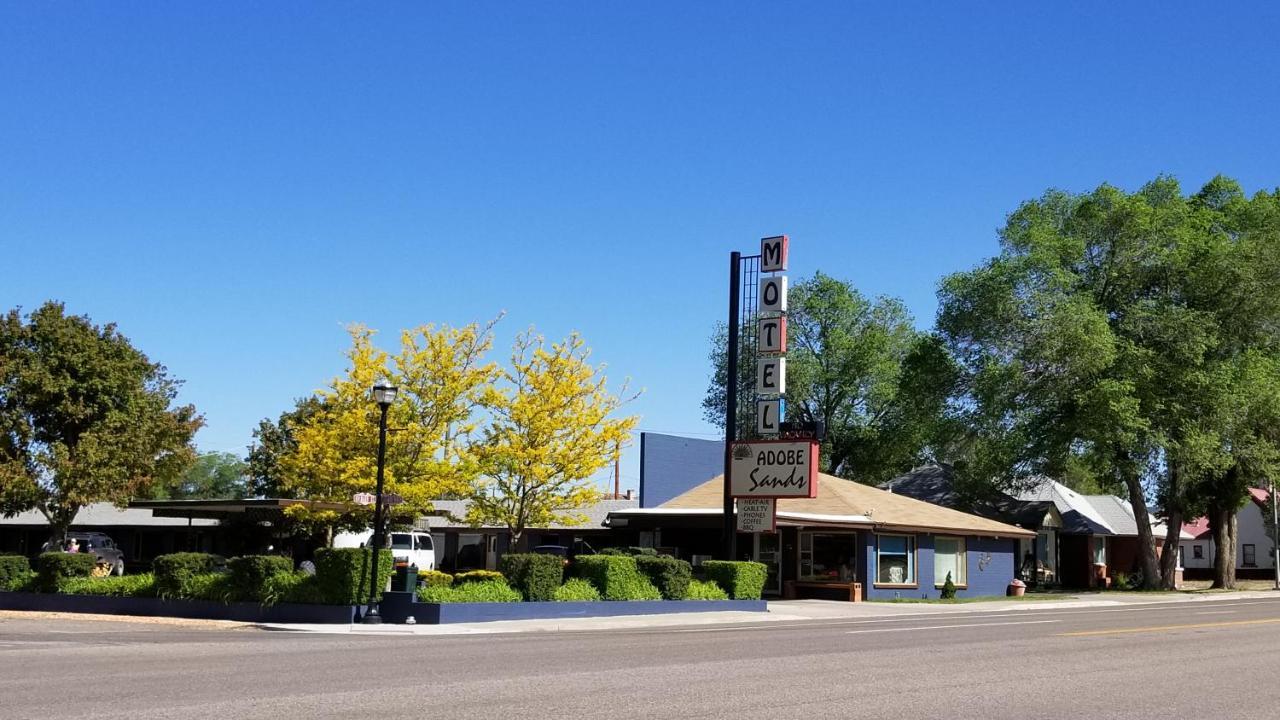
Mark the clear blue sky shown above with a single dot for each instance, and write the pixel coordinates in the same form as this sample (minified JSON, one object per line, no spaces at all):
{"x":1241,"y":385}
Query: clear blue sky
{"x":232,"y":183}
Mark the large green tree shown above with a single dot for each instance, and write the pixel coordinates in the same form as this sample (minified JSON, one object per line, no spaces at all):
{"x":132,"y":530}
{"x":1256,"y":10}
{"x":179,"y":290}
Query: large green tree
{"x":1109,"y":342}
{"x":213,"y":476}
{"x":859,"y":366}
{"x":272,"y":441}
{"x":84,"y":417}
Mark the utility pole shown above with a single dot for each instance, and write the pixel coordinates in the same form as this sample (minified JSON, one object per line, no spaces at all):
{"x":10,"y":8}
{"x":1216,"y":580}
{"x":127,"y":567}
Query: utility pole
{"x":1275,"y":535}
{"x":729,"y":541}
{"x":617,"y":472}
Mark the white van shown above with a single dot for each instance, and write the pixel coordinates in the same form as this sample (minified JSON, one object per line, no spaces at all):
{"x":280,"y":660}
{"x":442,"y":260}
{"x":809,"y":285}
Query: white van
{"x":412,"y":546}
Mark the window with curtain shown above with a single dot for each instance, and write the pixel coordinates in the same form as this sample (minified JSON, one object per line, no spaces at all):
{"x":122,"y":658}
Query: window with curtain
{"x":949,"y":557}
{"x":1250,"y":556}
{"x":1099,"y":550}
{"x":895,"y":559}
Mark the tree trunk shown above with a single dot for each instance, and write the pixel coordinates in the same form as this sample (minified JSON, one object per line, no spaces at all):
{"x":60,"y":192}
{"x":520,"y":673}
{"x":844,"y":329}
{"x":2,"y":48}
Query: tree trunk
{"x":1146,"y":542}
{"x":1224,"y":564}
{"x":60,"y":518}
{"x":1169,"y":557}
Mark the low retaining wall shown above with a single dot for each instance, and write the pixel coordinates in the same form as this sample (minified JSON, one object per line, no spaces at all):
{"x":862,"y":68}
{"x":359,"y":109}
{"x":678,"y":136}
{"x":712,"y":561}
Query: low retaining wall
{"x":396,"y":607}
{"x":191,"y":609}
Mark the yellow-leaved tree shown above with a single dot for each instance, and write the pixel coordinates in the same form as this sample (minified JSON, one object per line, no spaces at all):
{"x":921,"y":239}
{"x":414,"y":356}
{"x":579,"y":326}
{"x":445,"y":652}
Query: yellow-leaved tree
{"x":551,"y":427}
{"x":442,"y":376}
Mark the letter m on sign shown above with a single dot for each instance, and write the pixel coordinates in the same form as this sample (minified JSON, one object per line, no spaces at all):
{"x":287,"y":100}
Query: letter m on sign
{"x":773,"y":254}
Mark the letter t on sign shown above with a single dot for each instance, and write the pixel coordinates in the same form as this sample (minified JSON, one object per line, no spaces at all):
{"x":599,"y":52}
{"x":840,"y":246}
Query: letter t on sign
{"x":773,"y":254}
{"x":771,"y":335}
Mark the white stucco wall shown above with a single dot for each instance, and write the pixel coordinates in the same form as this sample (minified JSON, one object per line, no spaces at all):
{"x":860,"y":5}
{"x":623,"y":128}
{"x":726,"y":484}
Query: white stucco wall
{"x":1252,"y":529}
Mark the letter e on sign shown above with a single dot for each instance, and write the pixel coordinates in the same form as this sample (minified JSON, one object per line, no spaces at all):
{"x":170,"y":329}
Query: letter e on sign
{"x":773,"y":253}
{"x":771,"y":376}
{"x":773,"y":294}
{"x":771,"y":335}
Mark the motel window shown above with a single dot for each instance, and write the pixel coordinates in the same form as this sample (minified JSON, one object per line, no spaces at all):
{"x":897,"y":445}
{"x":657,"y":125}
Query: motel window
{"x":1197,"y":552}
{"x":949,"y":557}
{"x":1250,"y":555}
{"x":828,"y":557}
{"x":1099,"y":550}
{"x":895,"y":559}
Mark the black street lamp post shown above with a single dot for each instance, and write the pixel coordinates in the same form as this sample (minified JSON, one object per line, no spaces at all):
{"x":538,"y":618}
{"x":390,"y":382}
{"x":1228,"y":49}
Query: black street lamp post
{"x":384,"y":393}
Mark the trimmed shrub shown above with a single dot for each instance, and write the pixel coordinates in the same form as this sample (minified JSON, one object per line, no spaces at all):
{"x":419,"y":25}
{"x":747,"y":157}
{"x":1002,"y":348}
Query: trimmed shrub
{"x":948,"y":589}
{"x":535,"y":575}
{"x":249,"y":574}
{"x":576,"y":590}
{"x":473,"y":592}
{"x":342,"y":574}
{"x":57,"y":567}
{"x":740,"y":579}
{"x":705,"y":590}
{"x":14,"y":571}
{"x":616,"y":577}
{"x":174,"y":571}
{"x":669,"y":575}
{"x":477,"y":576}
{"x":434,"y":578}
{"x":143,"y":585}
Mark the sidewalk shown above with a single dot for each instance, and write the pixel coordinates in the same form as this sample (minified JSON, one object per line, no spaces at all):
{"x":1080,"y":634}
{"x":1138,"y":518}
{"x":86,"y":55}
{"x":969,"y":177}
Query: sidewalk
{"x":784,"y":611}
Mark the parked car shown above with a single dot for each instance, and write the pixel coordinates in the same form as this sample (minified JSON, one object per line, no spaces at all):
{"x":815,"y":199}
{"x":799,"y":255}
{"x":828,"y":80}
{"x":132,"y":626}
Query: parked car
{"x":102,"y":547}
{"x":414,"y":546}
{"x":567,"y":552}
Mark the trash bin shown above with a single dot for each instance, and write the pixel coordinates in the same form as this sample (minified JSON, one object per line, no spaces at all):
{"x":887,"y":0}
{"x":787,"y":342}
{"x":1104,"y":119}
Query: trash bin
{"x":1017,"y":588}
{"x":405,"y":578}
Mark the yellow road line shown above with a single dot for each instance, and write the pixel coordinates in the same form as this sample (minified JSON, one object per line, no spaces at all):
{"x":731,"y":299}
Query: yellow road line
{"x":1161,"y":628}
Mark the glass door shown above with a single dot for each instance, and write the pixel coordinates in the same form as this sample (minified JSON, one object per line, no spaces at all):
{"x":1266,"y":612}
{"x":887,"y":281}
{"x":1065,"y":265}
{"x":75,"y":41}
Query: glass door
{"x":768,"y":548}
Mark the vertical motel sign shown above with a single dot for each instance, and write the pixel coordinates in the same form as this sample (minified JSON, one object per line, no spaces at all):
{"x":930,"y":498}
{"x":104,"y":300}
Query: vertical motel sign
{"x":771,"y":337}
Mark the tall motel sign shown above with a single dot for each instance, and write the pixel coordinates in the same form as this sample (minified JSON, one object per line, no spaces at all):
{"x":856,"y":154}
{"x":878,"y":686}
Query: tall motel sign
{"x":765,"y":457}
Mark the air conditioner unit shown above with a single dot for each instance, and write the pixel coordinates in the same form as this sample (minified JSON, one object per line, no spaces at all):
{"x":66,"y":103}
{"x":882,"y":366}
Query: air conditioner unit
{"x":698,"y":559}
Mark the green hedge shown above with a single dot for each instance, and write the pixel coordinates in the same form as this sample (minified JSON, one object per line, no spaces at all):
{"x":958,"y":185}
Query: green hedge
{"x":740,"y":579}
{"x":174,"y":571}
{"x":478,"y":576}
{"x":576,"y":590}
{"x":342,"y":574}
{"x":291,"y":587}
{"x":14,"y":571}
{"x":536,"y":576}
{"x":435,"y":578}
{"x":669,"y":575}
{"x":215,"y":587}
{"x":54,"y":568}
{"x":250,"y":573}
{"x":705,"y":590}
{"x":143,"y":585}
{"x":616,"y":577}
{"x":477,"y":591}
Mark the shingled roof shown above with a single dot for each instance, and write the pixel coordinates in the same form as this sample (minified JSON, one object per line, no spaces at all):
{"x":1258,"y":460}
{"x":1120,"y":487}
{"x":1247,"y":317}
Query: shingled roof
{"x":847,"y":503}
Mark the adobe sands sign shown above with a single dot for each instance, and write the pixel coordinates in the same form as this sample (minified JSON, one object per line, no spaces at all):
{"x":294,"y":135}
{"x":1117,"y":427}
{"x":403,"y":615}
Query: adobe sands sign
{"x":774,"y":469}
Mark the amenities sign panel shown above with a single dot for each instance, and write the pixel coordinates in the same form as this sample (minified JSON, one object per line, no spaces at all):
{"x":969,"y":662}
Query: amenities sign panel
{"x":756,"y":515}
{"x":774,"y":469}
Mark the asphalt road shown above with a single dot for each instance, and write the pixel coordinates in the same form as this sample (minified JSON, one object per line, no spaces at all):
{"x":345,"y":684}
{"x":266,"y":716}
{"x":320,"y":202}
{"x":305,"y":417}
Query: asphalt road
{"x":1198,"y":660}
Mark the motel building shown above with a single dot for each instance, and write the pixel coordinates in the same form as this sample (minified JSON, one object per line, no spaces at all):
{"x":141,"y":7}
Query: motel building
{"x":850,"y":542}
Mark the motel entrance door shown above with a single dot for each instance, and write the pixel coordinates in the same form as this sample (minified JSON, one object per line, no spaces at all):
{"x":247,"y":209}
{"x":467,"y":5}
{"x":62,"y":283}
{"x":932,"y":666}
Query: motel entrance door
{"x":768,"y":550}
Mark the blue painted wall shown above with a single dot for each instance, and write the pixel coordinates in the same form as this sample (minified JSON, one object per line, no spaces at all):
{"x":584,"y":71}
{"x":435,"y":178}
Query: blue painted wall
{"x":991,"y":567}
{"x":671,"y":465}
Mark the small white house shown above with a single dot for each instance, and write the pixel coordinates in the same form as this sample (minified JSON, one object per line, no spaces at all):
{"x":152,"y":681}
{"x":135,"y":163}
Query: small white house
{"x":1254,"y":557}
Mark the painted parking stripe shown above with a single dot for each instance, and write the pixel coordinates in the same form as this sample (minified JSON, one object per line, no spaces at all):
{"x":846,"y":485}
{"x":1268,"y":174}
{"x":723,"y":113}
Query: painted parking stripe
{"x":945,"y":627}
{"x":1166,"y":628}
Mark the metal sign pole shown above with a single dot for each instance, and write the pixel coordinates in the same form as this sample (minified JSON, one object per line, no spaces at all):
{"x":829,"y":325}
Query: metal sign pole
{"x":729,"y":540}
